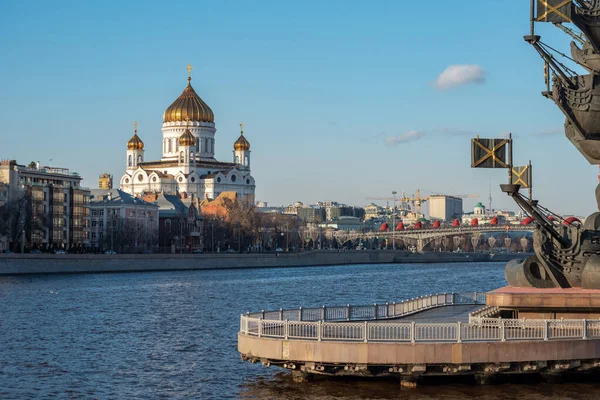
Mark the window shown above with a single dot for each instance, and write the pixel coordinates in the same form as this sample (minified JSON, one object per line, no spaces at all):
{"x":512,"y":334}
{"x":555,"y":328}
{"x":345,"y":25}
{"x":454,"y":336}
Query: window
{"x":154,"y":179}
{"x":237,"y":160}
{"x":140,"y":177}
{"x":233,"y":178}
{"x":168,"y":225}
{"x":219,"y":180}
{"x":247,"y":181}
{"x":246,"y":161}
{"x":126,"y":180}
{"x":139,"y":159}
{"x":181,"y":156}
{"x":180,"y":179}
{"x":193,"y":179}
{"x":130,"y":162}
{"x":206,"y":145}
{"x":169,"y":144}
{"x":93,"y":223}
{"x":93,"y":235}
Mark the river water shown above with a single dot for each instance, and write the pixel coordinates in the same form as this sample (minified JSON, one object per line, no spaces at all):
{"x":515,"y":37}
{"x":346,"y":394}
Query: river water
{"x":162,"y":335}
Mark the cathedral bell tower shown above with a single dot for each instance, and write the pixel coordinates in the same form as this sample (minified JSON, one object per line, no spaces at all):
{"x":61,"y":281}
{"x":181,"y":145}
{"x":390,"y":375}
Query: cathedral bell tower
{"x":241,"y":151}
{"x":187,"y":147}
{"x":135,"y":150}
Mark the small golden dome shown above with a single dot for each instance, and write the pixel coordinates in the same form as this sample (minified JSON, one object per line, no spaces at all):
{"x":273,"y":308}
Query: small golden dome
{"x":241,"y":143}
{"x":189,"y":106}
{"x":187,"y":139}
{"x":135,"y":143}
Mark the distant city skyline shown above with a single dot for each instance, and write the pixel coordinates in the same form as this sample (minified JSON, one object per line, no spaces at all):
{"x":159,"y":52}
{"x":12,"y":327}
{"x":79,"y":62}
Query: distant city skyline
{"x":340,"y":101}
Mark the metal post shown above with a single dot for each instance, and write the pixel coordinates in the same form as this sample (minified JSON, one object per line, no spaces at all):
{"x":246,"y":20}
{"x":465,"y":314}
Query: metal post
{"x":323,"y":313}
{"x":281,"y":314}
{"x":530,"y":181}
{"x":502,"y":332}
{"x":366,"y":333}
{"x":585,"y":328}
{"x":413,"y":331}
{"x":531,"y":17}
{"x":260,"y":320}
{"x":458,"y":339}
{"x":510,"y":159}
{"x":387,"y":310}
{"x":348,"y":312}
{"x":286,"y":329}
{"x":319,"y":330}
{"x":546,"y":329}
{"x":262,"y":313}
{"x":299,"y":313}
{"x":375,"y":311}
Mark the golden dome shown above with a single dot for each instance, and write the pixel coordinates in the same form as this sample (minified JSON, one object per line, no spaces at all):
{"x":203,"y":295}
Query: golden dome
{"x":241,"y":143}
{"x":189,"y":106}
{"x":135,"y":143}
{"x":187,"y":139}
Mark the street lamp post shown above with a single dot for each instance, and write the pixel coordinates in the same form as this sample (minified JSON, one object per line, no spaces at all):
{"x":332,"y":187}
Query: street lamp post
{"x":394,"y":221}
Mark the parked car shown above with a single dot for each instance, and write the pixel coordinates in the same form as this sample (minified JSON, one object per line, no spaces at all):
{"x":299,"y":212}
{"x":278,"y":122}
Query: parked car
{"x":36,"y":251}
{"x":197,"y":251}
{"x":110,"y":252}
{"x":59,"y":252}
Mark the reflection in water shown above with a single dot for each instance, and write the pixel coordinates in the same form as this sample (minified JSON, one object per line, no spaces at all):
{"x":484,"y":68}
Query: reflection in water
{"x":282,"y":387}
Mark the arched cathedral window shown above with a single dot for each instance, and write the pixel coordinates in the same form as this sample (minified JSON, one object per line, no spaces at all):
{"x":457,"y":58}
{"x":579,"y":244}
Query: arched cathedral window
{"x":237,"y":159}
{"x":246,"y":162}
{"x":139,"y":160}
{"x":130,"y":162}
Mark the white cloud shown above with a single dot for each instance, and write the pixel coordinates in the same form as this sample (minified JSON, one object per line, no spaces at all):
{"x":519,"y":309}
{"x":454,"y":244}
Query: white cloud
{"x":409,"y":136}
{"x":458,"y":75}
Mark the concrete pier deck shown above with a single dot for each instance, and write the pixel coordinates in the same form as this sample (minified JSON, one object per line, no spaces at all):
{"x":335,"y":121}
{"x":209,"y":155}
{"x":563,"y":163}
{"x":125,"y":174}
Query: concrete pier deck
{"x":437,"y":335}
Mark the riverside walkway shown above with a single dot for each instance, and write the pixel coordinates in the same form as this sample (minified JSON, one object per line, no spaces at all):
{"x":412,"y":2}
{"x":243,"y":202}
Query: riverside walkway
{"x":441,"y":334}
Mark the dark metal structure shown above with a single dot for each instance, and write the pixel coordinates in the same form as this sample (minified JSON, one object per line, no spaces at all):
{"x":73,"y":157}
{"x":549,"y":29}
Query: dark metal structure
{"x":567,"y":253}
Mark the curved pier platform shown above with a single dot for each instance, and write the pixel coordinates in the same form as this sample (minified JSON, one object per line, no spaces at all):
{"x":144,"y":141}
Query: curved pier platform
{"x":401,"y":339}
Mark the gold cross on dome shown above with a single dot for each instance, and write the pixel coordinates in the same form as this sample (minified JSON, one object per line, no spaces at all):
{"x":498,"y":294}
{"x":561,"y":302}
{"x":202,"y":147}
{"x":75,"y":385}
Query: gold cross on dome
{"x":189,"y":70}
{"x":241,"y":127}
{"x":135,"y":124}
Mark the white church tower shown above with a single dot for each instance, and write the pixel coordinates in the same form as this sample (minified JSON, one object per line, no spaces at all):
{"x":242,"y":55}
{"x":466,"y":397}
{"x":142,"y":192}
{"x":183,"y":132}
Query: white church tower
{"x":135,"y":150}
{"x":187,"y":151}
{"x":241,"y":151}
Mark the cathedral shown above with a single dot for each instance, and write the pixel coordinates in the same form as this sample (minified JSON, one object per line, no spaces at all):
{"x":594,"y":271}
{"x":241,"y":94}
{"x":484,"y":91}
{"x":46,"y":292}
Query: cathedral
{"x":188,"y":166}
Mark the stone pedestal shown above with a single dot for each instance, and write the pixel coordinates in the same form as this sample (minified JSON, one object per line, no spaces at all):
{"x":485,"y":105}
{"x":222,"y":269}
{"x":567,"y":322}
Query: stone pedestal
{"x":535,"y":303}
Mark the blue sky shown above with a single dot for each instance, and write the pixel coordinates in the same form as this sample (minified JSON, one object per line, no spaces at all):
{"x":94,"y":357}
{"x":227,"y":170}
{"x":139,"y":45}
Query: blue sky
{"x":323,"y":88}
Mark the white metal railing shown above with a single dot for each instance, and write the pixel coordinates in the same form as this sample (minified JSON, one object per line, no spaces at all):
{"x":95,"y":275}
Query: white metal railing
{"x":490,"y":330}
{"x":371,"y":312}
{"x":355,"y":323}
{"x":481,"y":315}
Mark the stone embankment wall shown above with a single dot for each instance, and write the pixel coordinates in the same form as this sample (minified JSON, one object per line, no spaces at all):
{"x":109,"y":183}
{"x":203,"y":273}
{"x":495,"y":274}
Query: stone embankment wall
{"x":17,"y":264}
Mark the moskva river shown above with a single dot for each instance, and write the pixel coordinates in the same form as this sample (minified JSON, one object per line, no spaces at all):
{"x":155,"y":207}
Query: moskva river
{"x":163,"y":335}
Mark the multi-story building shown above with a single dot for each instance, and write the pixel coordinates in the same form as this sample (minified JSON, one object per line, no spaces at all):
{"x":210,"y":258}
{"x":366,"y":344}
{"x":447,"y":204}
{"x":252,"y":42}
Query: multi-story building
{"x":310,"y":214}
{"x":49,"y":204}
{"x":121,"y":222}
{"x":105,"y":181}
{"x":445,"y":208}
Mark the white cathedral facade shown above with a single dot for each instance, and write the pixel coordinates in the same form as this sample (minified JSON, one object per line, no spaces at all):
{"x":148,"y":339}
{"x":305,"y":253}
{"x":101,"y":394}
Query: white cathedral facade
{"x":188,"y":164}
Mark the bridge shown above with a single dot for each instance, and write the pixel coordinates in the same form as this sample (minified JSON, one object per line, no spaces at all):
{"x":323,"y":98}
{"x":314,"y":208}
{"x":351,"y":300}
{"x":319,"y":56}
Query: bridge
{"x":422,"y":237}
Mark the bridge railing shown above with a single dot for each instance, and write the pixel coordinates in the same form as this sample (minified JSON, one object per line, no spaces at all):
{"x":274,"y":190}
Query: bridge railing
{"x":494,"y":330}
{"x":372,"y":311}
